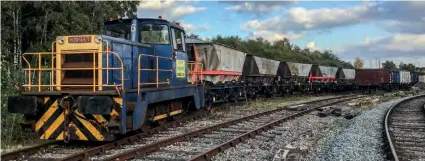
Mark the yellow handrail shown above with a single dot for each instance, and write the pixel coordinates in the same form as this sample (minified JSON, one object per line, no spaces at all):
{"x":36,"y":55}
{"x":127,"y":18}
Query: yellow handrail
{"x":29,"y":85}
{"x":107,"y":61}
{"x":157,"y":70}
{"x":53,"y":63}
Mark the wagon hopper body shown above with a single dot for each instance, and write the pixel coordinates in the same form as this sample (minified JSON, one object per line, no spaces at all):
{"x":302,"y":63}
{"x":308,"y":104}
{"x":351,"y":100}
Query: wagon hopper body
{"x":293,"y":76}
{"x":260,"y":75}
{"x":346,"y":79}
{"x":220,"y":63}
{"x":323,"y":78}
{"x":221,"y":70}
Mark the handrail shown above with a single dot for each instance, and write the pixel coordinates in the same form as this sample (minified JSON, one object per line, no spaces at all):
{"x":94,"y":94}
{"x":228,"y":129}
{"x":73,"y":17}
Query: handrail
{"x":197,"y":70}
{"x":29,"y":84}
{"x":157,"y":70}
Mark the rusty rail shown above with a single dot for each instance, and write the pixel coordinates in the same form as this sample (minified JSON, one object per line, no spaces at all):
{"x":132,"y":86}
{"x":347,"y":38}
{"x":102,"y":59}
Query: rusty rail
{"x":231,"y":143}
{"x":86,"y":154}
{"x":27,"y":151}
{"x":157,"y":145}
{"x":127,"y":140}
{"x":392,"y":151}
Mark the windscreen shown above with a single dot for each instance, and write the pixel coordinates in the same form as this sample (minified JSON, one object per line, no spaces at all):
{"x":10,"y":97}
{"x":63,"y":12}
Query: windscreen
{"x":122,"y":30}
{"x":154,"y":34}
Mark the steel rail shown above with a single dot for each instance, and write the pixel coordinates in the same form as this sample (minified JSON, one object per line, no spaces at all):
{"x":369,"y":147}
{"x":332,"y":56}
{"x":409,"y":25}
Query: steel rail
{"x":27,"y":151}
{"x":387,"y":120}
{"x":84,"y":155}
{"x":250,"y":134}
{"x":162,"y":143}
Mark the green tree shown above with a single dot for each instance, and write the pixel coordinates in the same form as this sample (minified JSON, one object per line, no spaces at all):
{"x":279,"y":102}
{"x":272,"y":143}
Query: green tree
{"x":390,"y":65}
{"x":409,"y":67}
{"x":358,"y":63}
{"x":192,"y":35}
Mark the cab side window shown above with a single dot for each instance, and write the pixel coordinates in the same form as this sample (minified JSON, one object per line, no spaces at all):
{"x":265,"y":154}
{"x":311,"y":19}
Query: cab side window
{"x":178,"y":39}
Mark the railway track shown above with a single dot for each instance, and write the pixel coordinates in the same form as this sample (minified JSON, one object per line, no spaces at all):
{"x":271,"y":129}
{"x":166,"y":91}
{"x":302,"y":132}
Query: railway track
{"x":206,"y":142}
{"x":405,"y":129}
{"x":57,"y":150}
{"x":113,"y":150}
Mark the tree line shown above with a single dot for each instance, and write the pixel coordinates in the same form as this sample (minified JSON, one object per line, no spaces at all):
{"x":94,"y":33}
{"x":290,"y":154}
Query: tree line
{"x":390,"y":65}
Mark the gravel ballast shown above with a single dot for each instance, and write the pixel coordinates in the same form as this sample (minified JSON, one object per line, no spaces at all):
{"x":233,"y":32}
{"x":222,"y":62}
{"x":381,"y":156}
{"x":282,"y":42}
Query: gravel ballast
{"x":357,"y":139}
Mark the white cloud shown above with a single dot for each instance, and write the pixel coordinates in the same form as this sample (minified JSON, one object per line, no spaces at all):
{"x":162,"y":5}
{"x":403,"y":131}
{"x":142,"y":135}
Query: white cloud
{"x":270,"y":29}
{"x":311,"y":45}
{"x":398,"y":17}
{"x":189,"y":28}
{"x":185,"y":10}
{"x":297,"y":20}
{"x":258,"y":7}
{"x":155,"y":5}
{"x":408,"y":48}
{"x":301,"y":19}
{"x":274,"y":36}
{"x":170,"y":9}
{"x":403,"y":26}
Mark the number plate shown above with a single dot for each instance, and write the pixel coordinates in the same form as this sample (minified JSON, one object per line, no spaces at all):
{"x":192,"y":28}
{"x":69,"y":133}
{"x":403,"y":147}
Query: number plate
{"x":80,"y":39}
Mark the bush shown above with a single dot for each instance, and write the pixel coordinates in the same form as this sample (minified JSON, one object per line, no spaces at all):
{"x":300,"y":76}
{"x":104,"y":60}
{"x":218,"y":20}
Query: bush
{"x":11,"y":131}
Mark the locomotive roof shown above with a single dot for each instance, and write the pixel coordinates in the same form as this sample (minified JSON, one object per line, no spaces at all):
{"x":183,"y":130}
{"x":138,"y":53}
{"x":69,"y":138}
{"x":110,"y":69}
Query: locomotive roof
{"x":155,"y":20}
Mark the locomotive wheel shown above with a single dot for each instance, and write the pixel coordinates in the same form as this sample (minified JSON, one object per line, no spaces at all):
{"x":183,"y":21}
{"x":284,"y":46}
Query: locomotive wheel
{"x":146,"y":127}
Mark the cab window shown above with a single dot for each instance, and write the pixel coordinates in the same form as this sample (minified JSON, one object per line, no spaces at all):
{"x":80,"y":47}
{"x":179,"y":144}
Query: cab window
{"x":178,"y":39}
{"x":122,"y":30}
{"x":154,"y":34}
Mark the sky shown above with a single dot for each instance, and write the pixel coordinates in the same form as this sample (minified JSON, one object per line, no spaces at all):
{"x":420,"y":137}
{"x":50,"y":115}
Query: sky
{"x":371,"y":30}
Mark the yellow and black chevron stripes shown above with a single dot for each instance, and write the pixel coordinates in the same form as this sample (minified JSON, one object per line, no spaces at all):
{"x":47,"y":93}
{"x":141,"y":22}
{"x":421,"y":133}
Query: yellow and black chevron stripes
{"x":92,"y":132}
{"x":51,"y":124}
{"x":117,"y":109}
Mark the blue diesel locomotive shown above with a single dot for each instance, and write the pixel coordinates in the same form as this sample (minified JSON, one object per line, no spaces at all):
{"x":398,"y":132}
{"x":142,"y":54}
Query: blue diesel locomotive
{"x":95,"y":87}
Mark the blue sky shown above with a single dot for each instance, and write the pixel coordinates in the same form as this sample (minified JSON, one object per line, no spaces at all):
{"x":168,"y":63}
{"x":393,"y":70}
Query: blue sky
{"x":367,"y":29}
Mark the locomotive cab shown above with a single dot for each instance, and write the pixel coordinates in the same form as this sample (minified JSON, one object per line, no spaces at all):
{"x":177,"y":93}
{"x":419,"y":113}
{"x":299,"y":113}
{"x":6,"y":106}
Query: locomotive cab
{"x":93,"y":87}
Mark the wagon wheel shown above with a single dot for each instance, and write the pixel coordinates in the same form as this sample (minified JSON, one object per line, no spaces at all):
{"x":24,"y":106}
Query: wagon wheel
{"x":235,"y":95}
{"x":269,"y":91}
{"x":208,"y":106}
{"x":208,"y":103}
